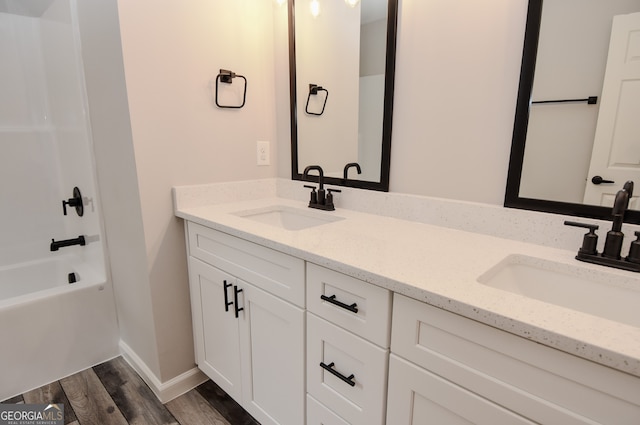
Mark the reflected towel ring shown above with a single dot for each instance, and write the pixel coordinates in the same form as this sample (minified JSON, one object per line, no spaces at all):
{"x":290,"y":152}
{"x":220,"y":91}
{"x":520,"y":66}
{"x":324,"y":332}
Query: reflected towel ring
{"x":226,"y":76}
{"x":313,"y":91}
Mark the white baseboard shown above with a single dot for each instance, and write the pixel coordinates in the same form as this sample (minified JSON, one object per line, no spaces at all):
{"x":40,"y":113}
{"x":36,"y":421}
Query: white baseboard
{"x":165,"y":391}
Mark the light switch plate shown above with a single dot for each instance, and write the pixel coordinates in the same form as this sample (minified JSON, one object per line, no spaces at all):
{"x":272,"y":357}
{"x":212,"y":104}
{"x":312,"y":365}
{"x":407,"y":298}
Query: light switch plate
{"x":263,"y":153}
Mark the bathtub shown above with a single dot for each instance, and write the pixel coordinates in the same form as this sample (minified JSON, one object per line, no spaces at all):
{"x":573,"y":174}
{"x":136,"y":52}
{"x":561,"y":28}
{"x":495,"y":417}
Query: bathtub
{"x":40,"y":278}
{"x":50,"y":328}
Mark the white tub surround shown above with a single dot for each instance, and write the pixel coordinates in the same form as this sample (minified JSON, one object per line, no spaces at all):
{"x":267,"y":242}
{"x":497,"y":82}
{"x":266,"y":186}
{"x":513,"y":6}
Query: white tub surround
{"x":432,"y":264}
{"x":54,"y":333}
{"x":49,"y":328}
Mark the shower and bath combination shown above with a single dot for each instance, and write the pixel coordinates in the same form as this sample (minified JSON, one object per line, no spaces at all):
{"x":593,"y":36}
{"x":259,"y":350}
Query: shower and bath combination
{"x":47,"y":149}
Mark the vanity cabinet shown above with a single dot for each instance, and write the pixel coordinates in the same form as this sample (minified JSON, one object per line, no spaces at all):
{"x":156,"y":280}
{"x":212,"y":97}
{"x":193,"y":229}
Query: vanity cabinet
{"x":296,"y":343}
{"x":447,"y":366}
{"x":250,"y":341}
{"x":348,"y":325}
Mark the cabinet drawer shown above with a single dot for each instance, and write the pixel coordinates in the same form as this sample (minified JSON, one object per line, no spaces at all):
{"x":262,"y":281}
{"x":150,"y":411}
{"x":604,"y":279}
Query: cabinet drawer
{"x":371,"y":313}
{"x":362,"y":403}
{"x":273,"y":271}
{"x":417,"y":396}
{"x":540,"y":383}
{"x":318,"y":414}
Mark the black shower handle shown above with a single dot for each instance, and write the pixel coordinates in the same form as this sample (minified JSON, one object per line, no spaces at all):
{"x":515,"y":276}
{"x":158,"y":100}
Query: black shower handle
{"x":75,"y":202}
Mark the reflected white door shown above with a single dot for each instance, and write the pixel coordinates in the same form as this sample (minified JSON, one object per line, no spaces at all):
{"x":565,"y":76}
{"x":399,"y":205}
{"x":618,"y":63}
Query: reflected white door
{"x":616,"y":148}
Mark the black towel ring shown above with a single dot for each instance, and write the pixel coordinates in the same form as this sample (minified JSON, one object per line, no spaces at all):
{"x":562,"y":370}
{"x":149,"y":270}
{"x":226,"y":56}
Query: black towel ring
{"x":226,"y":76}
{"x":313,"y":91}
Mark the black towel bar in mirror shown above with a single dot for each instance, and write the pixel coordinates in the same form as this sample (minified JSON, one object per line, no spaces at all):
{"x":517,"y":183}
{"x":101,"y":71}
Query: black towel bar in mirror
{"x":591,"y":100}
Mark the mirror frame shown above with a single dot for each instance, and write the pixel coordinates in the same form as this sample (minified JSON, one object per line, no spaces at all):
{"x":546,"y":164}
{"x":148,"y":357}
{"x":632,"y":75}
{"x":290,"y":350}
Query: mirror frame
{"x":383,"y":184}
{"x":512,"y":197}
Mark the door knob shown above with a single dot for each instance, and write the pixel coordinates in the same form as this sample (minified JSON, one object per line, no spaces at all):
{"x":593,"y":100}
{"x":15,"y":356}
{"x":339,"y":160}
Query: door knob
{"x":600,"y":180}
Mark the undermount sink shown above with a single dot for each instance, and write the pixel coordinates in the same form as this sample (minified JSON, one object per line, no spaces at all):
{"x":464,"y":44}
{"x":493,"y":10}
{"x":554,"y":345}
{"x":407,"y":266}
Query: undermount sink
{"x":288,"y":218}
{"x":596,"y":292}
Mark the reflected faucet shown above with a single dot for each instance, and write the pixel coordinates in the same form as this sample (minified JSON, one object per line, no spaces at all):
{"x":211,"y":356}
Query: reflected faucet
{"x":349,"y":165}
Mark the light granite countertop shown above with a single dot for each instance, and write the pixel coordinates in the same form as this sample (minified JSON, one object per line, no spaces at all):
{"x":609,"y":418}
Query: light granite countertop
{"x":439,"y":266}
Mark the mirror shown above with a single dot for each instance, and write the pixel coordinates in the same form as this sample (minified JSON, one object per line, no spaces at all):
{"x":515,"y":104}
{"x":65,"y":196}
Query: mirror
{"x":342,"y":65}
{"x":576,"y":124}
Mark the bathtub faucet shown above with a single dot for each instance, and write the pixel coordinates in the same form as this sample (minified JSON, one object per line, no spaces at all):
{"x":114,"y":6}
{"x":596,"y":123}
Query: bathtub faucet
{"x":75,"y":202}
{"x":56,"y":245}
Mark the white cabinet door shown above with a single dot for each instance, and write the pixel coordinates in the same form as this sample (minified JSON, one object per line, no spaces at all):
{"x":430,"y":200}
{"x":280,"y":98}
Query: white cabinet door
{"x":417,"y":396}
{"x":272,"y":355}
{"x":215,"y":326}
{"x":256,"y":357}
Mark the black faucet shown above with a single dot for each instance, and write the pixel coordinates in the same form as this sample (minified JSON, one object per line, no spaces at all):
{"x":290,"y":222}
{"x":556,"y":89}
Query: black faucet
{"x":349,"y":165}
{"x":318,"y":199}
{"x":613,"y":243}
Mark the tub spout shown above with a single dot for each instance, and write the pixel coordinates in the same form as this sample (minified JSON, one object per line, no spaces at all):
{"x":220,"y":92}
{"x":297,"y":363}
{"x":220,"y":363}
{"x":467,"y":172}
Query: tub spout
{"x":56,"y":245}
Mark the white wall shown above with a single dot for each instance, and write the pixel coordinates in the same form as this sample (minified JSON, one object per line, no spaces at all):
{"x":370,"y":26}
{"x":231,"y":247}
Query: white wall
{"x":172,"y":51}
{"x":282,"y":91}
{"x":117,"y":178}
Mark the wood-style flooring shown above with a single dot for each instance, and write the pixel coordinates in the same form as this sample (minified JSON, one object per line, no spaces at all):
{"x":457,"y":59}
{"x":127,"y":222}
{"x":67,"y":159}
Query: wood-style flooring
{"x":112,"y":393}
